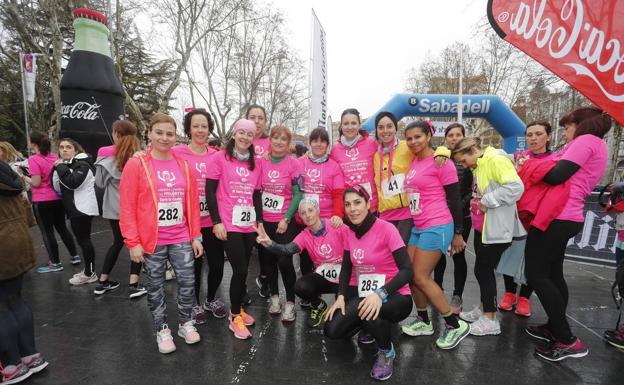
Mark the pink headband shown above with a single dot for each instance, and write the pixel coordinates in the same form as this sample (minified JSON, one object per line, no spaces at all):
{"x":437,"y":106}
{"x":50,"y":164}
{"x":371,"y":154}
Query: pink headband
{"x":431,"y":127}
{"x":244,"y":125}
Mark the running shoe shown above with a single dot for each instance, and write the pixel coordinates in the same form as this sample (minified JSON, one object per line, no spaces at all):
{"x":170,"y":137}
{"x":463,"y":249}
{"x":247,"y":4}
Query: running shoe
{"x":197,"y":315}
{"x":305,"y":303}
{"x":485,"y":327}
{"x":317,"y":314}
{"x":472,"y":315}
{"x":247,"y":319}
{"x":216,"y":307}
{"x":75,"y":260}
{"x":19,"y":374}
{"x":541,"y":333}
{"x":274,"y":305}
{"x":105,"y":286}
{"x":35,"y":363}
{"x":165,"y":340}
{"x":365,"y":338}
{"x":50,"y":268}
{"x":456,"y":304}
{"x":451,"y":337}
{"x":557,"y":351}
{"x":136,"y":291}
{"x":289,"y":312}
{"x":263,"y":287}
{"x":237,"y":326}
{"x":508,"y":301}
{"x":188,"y":332}
{"x":383,"y":366}
{"x":615,"y":337}
{"x":83,"y":279}
{"x":523,"y":307}
{"x":418,"y":328}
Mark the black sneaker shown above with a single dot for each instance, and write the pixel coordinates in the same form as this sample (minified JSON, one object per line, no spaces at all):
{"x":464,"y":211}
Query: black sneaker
{"x":304,"y":303}
{"x":557,"y":351}
{"x":317,"y":314}
{"x":365,"y":338}
{"x":615,"y":337}
{"x":103,"y":287}
{"x":540,"y":333}
{"x":263,"y":287}
{"x":136,"y":291}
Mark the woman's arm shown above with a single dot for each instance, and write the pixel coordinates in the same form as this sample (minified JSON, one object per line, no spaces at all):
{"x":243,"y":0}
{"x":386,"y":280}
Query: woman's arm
{"x":345,"y":273}
{"x":563,"y":170}
{"x":404,"y":275}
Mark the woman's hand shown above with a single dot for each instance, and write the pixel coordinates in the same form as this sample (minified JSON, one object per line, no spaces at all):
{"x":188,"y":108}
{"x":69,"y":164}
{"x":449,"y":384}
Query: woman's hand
{"x":136,"y":254}
{"x":458,"y":244}
{"x":282,"y":226}
{"x":263,"y":238}
{"x":219,"y":231}
{"x":198,"y":248}
{"x":482,"y":207}
{"x":440,"y":161}
{"x":339,"y":304}
{"x":336,"y":221}
{"x":369,"y":307}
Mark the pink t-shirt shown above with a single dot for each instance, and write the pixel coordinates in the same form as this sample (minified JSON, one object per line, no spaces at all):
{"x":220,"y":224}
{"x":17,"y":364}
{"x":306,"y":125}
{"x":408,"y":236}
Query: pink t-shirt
{"x":170,"y":190}
{"x":262,"y":147}
{"x":277,"y":180}
{"x":198,"y":164}
{"x":235,"y":191}
{"x":357,"y":166}
{"x":591,"y":154}
{"x":372,"y":254}
{"x":319,"y":179}
{"x":477,"y":216}
{"x":522,"y":156}
{"x":107,"y":151}
{"x":327,"y":248}
{"x":42,"y":165}
{"x":424,"y":185}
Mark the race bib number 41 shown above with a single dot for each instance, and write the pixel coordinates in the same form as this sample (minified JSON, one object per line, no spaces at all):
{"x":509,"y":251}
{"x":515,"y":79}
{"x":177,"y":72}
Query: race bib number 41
{"x":329,"y":271}
{"x":169,"y":214}
{"x":393,"y":186}
{"x":243,"y":216}
{"x":368,"y":283}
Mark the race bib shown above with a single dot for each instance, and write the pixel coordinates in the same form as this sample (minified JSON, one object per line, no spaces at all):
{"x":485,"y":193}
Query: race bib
{"x":329,"y":271}
{"x":368,"y":283}
{"x":367,"y":187}
{"x":314,"y":197}
{"x":414,"y":203}
{"x":243,"y":216}
{"x":393,"y":186}
{"x":203,"y":207}
{"x":169,"y":213}
{"x":272,"y":203}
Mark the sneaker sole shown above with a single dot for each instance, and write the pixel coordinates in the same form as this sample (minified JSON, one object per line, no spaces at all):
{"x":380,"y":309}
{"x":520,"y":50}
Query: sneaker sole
{"x":481,"y":334}
{"x":166,"y":352}
{"x":382,"y":378}
{"x":367,"y":342}
{"x":621,"y":347}
{"x":539,"y":338}
{"x":522,"y":315}
{"x":575,"y":355}
{"x":19,"y":379}
{"x":187,"y":342}
{"x":505,"y":309}
{"x":137,"y":295}
{"x":39,"y":368}
{"x":417,"y":334}
{"x":288,"y":319}
{"x":456,"y":342}
{"x":100,"y":292}
{"x":237,"y":336}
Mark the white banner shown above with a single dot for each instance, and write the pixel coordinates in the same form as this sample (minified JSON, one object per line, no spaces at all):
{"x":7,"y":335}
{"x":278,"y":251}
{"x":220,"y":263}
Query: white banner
{"x":318,"y":78}
{"x":30,"y":75}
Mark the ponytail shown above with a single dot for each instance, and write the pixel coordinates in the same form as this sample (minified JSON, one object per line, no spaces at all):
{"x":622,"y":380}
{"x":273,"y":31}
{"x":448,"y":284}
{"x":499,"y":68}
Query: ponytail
{"x":128,"y":142}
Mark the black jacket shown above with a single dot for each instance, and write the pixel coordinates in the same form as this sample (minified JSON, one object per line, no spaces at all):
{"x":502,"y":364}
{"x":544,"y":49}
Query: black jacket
{"x":76,"y":182}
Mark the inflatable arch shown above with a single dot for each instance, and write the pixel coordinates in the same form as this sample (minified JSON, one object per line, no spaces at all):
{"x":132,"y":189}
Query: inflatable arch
{"x":489,"y":107}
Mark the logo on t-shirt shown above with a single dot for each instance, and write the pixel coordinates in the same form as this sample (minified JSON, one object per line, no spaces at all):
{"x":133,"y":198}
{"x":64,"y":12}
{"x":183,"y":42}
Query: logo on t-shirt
{"x":273,"y":175}
{"x":352,"y":153}
{"x":325,"y":250}
{"x":411,"y":174}
{"x":201,"y":168}
{"x":167,"y":176}
{"x":243,"y":172}
{"x":358,"y":255}
{"x":259,"y":150}
{"x":314,"y":174}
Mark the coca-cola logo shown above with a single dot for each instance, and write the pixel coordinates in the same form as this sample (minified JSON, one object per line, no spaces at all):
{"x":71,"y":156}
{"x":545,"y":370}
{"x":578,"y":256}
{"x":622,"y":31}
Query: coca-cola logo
{"x":80,"y":110}
{"x":581,"y":44}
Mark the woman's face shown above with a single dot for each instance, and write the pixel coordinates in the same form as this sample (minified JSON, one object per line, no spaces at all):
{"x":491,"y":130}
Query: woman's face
{"x":280,"y":143}
{"x":570,"y":130}
{"x":66,"y":150}
{"x":386,"y":131}
{"x":243,"y":140}
{"x":257,"y":116}
{"x":537,"y":138}
{"x":356,"y":207}
{"x":200,"y":131}
{"x":162,"y":136}
{"x":468,"y":160}
{"x":453,"y":136}
{"x":309,"y":214}
{"x":417,"y":140}
{"x":350,"y":125}
{"x":318,"y":147}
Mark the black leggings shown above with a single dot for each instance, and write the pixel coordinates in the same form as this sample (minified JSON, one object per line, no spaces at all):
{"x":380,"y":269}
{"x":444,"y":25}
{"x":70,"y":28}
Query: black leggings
{"x":405,"y":228}
{"x":113,"y":251}
{"x":544,"y":253}
{"x":460,"y":271}
{"x":213,"y":249}
{"x":17,"y":331}
{"x":51,"y":215}
{"x":284,"y":263}
{"x":487,"y":258}
{"x":81,"y":227}
{"x":511,"y":287}
{"x":395,"y":310}
{"x":311,"y":286}
{"x":238,"y":248}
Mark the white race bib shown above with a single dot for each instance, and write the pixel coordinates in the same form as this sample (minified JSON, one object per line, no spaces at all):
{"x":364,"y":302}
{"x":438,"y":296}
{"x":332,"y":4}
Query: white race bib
{"x":414,"y":203}
{"x":393,"y":186}
{"x":368,"y":283}
{"x":314,"y":197}
{"x":169,"y":213}
{"x":243,"y":216}
{"x":203,"y":207}
{"x":367,"y":187}
{"x":272,"y":203}
{"x":329,"y":271}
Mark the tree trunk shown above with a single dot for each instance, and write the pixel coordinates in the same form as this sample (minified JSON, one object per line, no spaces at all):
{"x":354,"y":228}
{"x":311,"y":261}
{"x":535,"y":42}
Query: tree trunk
{"x":615,"y":152}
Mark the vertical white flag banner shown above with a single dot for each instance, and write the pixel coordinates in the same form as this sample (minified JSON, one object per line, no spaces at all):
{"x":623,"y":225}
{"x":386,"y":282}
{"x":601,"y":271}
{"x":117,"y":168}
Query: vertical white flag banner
{"x":318,"y":78}
{"x":30,"y":75}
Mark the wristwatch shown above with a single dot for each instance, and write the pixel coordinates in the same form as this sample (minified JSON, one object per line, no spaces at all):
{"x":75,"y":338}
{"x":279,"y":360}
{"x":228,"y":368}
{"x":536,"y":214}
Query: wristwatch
{"x":383,"y":294}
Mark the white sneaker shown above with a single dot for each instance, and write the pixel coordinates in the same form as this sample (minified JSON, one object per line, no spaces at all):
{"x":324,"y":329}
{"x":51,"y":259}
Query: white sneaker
{"x":82,"y":279}
{"x":472,"y":315}
{"x":485,"y":327}
{"x":274,"y":305}
{"x":165,"y":340}
{"x":189,"y":333}
{"x":289,"y":312}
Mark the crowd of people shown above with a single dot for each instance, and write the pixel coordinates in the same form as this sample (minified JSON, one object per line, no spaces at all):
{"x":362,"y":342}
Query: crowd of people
{"x":372,"y":220}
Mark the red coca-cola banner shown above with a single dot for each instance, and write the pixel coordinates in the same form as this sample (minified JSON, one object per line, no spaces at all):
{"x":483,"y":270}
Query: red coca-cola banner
{"x":579,"y":40}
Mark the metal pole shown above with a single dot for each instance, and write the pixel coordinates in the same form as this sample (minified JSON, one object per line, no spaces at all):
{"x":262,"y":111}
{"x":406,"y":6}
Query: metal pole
{"x":26,"y":124}
{"x":460,"y":99}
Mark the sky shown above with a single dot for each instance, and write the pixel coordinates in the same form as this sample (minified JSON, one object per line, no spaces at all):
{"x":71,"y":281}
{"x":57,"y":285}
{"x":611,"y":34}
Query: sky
{"x":372,"y":45}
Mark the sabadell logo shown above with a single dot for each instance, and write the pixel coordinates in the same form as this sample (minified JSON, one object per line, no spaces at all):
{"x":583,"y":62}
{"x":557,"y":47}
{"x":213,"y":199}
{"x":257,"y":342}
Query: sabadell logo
{"x":443,"y":106}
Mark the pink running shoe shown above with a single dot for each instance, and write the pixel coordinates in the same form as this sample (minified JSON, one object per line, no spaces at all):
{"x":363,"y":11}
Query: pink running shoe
{"x":237,"y":326}
{"x":247,"y":319}
{"x":523,"y":307}
{"x":508,"y":301}
{"x":189,"y":333}
{"x":165,"y":340}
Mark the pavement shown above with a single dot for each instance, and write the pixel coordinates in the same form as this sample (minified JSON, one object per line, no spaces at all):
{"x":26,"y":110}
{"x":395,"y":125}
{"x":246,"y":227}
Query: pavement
{"x":108,"y":339}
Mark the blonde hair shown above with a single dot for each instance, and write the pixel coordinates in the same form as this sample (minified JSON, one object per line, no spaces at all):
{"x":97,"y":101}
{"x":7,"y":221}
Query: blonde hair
{"x":10,"y":154}
{"x":466,"y":145}
{"x":160,"y":117}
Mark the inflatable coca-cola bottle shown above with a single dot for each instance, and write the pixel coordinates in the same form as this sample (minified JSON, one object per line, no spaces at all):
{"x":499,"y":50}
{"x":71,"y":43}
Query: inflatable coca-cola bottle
{"x":91,"y":94}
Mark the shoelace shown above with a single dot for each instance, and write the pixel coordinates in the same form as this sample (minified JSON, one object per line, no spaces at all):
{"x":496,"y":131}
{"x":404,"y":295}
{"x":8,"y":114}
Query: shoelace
{"x":238,"y":321}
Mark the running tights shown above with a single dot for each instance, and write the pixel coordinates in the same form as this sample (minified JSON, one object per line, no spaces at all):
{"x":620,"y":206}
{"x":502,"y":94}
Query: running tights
{"x":113,"y":252}
{"x":51,"y":215}
{"x":487,"y":258}
{"x":283,"y":262}
{"x":17,"y":331}
{"x":213,"y":249}
{"x":311,"y":286}
{"x":81,"y":227}
{"x":238,"y":249}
